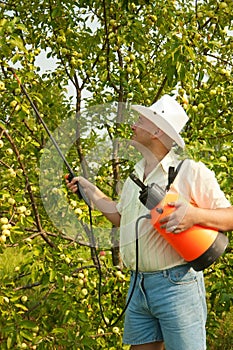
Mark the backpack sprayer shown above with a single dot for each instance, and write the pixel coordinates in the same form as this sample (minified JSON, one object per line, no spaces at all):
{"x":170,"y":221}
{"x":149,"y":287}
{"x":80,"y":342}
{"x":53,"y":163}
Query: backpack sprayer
{"x":199,"y":246}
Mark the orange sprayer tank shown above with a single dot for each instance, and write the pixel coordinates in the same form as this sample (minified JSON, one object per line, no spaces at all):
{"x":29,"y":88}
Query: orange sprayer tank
{"x":200,"y":246}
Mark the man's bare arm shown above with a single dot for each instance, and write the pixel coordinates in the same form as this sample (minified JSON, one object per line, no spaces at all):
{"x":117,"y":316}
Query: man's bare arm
{"x":185,"y":216}
{"x":98,"y":198}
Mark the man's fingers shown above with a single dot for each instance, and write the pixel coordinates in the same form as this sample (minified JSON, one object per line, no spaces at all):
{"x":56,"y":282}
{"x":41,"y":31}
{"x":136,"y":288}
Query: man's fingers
{"x":172,"y":204}
{"x":175,"y":204}
{"x":73,"y":184}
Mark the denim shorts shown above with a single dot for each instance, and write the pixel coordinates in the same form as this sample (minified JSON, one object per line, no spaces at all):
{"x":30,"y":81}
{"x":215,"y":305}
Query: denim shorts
{"x":167,"y":306}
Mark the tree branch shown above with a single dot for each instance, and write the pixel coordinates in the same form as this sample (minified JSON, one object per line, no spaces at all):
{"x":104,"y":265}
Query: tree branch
{"x":29,"y":189}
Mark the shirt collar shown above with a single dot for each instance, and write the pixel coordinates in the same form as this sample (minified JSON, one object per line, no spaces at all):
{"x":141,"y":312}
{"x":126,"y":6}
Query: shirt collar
{"x":170,"y":159}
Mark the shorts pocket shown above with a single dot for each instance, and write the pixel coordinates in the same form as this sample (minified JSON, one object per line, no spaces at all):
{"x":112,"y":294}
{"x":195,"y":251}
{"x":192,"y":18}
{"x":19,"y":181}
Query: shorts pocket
{"x":182,"y":275}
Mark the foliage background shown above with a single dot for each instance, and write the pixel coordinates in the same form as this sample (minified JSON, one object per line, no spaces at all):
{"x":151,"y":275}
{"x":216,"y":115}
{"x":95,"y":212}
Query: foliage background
{"x":109,"y":51}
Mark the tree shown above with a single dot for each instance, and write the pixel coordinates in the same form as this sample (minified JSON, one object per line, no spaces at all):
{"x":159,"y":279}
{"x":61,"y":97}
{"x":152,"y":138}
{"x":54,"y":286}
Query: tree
{"x":121,"y":52}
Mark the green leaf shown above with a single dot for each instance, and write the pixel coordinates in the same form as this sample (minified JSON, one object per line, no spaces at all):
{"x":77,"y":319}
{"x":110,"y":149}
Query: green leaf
{"x":28,"y":324}
{"x":23,"y":307}
{"x":2,"y":125}
{"x":26,"y":335}
{"x":17,"y":41}
{"x":52,"y":276}
{"x":58,"y":330}
{"x":9,"y":342}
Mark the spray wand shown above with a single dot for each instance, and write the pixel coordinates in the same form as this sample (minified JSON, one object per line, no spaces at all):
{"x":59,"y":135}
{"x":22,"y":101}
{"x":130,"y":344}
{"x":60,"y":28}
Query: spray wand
{"x":71,"y":174}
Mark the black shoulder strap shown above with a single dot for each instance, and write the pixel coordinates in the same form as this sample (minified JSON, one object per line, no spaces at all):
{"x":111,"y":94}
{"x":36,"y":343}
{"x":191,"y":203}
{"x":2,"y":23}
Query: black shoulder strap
{"x":172,"y":173}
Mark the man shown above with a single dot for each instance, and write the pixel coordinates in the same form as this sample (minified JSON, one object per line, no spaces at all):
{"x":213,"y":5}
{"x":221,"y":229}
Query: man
{"x":168,"y":304}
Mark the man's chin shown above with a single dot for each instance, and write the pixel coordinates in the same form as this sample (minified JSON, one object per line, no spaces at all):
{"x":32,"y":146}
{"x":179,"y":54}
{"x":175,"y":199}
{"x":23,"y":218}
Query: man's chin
{"x":136,"y":144}
{"x":132,"y":142}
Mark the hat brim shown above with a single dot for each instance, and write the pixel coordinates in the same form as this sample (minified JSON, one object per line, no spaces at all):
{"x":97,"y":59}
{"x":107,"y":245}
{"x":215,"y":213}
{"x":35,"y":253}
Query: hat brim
{"x":161,"y":123}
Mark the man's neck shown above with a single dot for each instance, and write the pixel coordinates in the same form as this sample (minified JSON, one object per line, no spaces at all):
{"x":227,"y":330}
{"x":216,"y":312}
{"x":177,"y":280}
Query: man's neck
{"x":152,"y":160}
{"x":153,"y":157}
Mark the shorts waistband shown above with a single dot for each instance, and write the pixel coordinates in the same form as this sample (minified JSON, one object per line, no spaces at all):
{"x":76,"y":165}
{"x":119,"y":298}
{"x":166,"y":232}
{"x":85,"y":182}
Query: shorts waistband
{"x":164,"y":271}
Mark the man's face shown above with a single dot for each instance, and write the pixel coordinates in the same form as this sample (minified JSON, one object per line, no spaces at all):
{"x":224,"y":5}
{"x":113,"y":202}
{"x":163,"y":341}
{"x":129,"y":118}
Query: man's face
{"x":143,"y":129}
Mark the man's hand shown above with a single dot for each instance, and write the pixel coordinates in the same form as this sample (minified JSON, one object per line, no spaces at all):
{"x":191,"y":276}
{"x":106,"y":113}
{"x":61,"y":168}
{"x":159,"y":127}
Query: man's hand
{"x":97,"y":197}
{"x":181,"y":219}
{"x":73,"y":184}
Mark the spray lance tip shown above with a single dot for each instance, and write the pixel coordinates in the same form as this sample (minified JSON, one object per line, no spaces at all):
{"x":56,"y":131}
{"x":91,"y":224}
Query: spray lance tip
{"x":11,"y":69}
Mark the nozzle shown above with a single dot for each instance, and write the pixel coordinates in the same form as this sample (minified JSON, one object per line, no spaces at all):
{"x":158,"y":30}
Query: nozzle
{"x":11,"y":69}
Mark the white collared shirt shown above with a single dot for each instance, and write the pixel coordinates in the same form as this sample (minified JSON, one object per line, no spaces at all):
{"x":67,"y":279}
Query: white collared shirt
{"x":195,"y":182}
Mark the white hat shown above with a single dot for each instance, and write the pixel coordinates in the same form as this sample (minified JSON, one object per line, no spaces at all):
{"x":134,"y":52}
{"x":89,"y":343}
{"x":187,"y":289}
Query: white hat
{"x":168,"y":115}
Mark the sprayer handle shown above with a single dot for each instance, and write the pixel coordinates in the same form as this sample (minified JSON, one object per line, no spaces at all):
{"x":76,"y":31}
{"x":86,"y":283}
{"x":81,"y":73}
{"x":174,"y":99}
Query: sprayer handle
{"x":80,"y":191}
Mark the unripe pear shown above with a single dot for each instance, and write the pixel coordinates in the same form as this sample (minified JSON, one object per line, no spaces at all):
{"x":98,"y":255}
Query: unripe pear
{"x":2,"y":239}
{"x":223,"y":5}
{"x":21,"y":209}
{"x":24,"y":298}
{"x":116,"y":330}
{"x":11,"y":201}
{"x":127,"y":59}
{"x":223,"y":159}
{"x":4,"y":220}
{"x":84,"y":291}
{"x":129,"y":70}
{"x":6,"y":233}
{"x":13,"y":103}
{"x":132,"y":57}
{"x":12,"y":173}
{"x":2,"y":86}
{"x":9,"y":151}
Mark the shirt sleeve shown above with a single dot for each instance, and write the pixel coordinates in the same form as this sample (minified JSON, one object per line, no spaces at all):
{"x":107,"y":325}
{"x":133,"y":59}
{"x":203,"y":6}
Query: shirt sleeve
{"x":201,"y":183}
{"x":125,"y":196}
